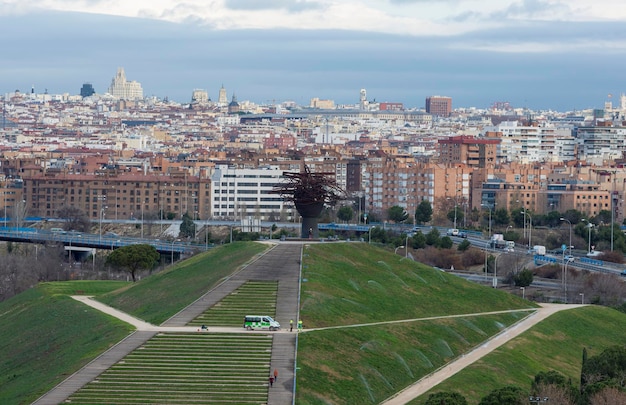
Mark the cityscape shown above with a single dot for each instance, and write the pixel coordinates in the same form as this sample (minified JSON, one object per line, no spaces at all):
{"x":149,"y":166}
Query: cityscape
{"x":121,"y":155}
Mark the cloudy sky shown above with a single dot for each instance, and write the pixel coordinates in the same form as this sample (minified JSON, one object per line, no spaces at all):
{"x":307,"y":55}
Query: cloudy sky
{"x":544,"y":54}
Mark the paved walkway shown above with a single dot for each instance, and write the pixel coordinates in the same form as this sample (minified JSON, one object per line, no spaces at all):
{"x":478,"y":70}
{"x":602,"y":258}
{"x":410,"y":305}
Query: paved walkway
{"x":281,"y":262}
{"x":450,"y":369}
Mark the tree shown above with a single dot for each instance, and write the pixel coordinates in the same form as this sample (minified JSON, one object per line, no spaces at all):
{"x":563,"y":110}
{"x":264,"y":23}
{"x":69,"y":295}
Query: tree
{"x":133,"y":258}
{"x":397,"y":214}
{"x":508,"y":395}
{"x":501,"y":217}
{"x":433,"y":238}
{"x":463,"y":246}
{"x":459,"y":215}
{"x":423,"y":212}
{"x":345,"y":213}
{"x":446,"y":242}
{"x":187,"y":227}
{"x":74,"y":217}
{"x":523,"y":278}
{"x":446,"y":398}
{"x":418,"y":241}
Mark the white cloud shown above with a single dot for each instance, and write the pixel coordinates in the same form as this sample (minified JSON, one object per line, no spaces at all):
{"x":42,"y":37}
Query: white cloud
{"x":411,"y":17}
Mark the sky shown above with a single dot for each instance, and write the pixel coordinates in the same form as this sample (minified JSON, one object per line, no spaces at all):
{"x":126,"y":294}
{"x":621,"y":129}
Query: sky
{"x":540,"y":54}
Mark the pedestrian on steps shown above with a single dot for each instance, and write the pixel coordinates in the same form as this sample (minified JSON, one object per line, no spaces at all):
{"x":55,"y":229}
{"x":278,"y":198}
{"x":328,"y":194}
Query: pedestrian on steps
{"x":275,"y":374}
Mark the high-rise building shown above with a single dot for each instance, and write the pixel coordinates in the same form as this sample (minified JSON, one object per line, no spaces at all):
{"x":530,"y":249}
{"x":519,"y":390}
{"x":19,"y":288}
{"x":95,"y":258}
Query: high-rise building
{"x":123,"y":89}
{"x":222,"y":99}
{"x":199,"y":96}
{"x":439,"y":105}
{"x":363,"y":100}
{"x":87,"y":90}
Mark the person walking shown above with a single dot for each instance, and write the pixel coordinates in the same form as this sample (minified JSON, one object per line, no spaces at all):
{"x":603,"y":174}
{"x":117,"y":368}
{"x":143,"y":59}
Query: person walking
{"x":299,"y":325}
{"x":271,"y":381}
{"x":291,"y":325}
{"x":275,"y":374}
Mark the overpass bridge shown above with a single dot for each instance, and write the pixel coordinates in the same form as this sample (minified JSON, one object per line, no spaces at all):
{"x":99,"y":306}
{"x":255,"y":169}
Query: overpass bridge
{"x":79,"y":240}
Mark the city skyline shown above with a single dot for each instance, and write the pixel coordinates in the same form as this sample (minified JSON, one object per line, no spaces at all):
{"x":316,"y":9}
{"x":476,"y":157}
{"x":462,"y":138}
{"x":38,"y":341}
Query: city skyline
{"x":536,"y":54}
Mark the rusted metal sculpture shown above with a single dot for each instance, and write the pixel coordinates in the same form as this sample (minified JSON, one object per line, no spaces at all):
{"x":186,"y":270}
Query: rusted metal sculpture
{"x":309,"y":192}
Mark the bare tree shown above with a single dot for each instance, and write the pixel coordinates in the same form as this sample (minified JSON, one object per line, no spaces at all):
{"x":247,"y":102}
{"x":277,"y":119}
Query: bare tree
{"x":74,"y":217}
{"x":608,"y":396}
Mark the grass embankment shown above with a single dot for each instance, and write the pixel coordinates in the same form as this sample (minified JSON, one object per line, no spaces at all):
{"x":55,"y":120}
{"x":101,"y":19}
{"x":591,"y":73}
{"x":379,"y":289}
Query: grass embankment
{"x":45,"y":336}
{"x":253,"y":297}
{"x":155,"y":299}
{"x":180,"y":368}
{"x":554,"y":344}
{"x":353,"y":283}
{"x":347,"y":284}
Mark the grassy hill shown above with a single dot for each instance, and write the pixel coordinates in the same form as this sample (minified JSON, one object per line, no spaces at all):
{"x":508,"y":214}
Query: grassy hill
{"x":44,"y":326}
{"x":157,"y":298}
{"x":554,"y":344}
{"x":347,"y":284}
{"x":45,"y":336}
{"x":344,"y":285}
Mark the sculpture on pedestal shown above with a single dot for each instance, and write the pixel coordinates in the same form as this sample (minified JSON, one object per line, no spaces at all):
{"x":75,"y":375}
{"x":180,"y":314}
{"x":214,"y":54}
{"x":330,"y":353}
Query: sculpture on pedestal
{"x":309,"y":192}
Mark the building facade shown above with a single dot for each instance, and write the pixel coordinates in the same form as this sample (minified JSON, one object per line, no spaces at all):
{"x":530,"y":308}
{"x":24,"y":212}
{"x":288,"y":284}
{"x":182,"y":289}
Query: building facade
{"x":124,"y":90}
{"x":439,"y":106}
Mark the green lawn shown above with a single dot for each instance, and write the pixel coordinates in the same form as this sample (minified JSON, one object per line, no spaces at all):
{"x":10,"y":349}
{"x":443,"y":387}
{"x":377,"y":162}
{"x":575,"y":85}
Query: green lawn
{"x":350,"y":284}
{"x":45,"y":336}
{"x":155,"y":299}
{"x":187,"y":368}
{"x":353,"y":283}
{"x":253,"y":297}
{"x":555,"y":344}
{"x":365,"y":365}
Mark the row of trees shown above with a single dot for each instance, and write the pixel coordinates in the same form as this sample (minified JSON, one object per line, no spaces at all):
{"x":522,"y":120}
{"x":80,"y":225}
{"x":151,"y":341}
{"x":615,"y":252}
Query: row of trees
{"x":602,"y":382}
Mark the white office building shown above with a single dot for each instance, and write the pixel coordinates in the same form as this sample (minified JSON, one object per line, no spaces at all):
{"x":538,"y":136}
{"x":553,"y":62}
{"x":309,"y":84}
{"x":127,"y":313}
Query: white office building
{"x":124,"y":90}
{"x":241,"y":194}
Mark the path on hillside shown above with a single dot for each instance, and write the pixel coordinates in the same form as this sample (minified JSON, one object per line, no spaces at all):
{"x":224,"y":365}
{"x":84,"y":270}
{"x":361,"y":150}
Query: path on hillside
{"x":280,"y":263}
{"x":425,"y":384}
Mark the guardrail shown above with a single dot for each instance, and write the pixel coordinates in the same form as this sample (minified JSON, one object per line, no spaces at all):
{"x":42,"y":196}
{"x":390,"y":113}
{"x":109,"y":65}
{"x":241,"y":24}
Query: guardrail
{"x":79,"y":239}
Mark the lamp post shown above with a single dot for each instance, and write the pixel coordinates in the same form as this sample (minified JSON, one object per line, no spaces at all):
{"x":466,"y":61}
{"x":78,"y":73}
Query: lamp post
{"x":489,"y":207}
{"x":530,"y":229}
{"x":494,"y":282}
{"x":570,"y":234}
{"x":100,"y":226}
{"x":406,"y":247}
{"x":565,"y":263}
{"x":582,"y":298}
{"x":369,"y":234}
{"x":174,"y":241}
{"x":589,"y":226}
{"x":396,"y":250}
{"x":523,"y":292}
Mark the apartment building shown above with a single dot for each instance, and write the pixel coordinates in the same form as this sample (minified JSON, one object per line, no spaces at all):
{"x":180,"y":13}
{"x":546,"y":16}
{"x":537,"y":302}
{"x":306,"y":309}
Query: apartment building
{"x":439,"y":106}
{"x":468,"y":150}
{"x":118,"y":196}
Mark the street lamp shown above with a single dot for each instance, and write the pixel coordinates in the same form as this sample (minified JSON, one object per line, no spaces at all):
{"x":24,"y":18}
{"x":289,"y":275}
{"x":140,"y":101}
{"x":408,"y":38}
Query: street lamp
{"x":582,"y":298}
{"x":396,"y":250}
{"x":589,"y":226}
{"x":174,"y":241}
{"x":406,"y":247}
{"x":530,"y":229}
{"x":100,"y":226}
{"x":570,"y":234}
{"x":565,"y":263}
{"x":489,"y":207}
{"x":523,"y":292}
{"x":494,"y":282}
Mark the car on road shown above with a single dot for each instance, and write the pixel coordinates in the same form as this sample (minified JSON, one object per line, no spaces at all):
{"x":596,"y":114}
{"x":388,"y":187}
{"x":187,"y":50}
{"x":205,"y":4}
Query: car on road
{"x":452,"y":232}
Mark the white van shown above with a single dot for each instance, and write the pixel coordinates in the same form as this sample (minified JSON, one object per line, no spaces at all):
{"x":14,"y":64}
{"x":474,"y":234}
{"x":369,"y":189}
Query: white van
{"x":251,"y":322}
